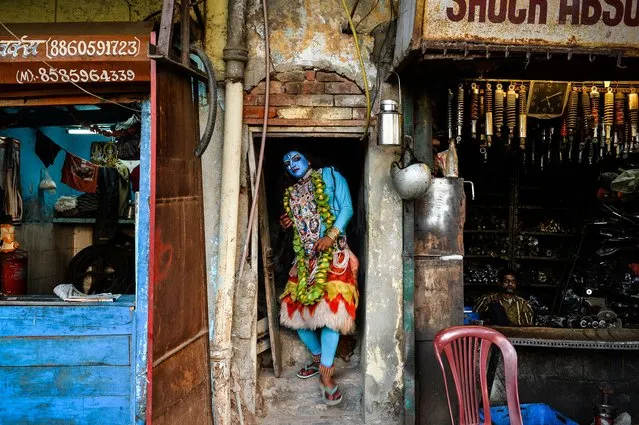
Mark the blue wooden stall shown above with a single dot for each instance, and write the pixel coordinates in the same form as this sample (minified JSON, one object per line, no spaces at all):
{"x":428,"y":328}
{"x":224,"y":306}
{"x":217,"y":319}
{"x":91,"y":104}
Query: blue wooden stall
{"x":143,"y":358}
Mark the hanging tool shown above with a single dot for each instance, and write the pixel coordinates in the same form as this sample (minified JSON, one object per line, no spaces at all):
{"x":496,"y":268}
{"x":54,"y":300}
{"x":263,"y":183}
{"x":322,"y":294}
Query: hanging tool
{"x":522,"y":121}
{"x":488,"y":111}
{"x":586,"y":115}
{"x":633,"y":113}
{"x":474,"y":109}
{"x":499,"y":109}
{"x":460,"y":112}
{"x":551,"y":138}
{"x":542,"y":157}
{"x":594,"y":107}
{"x":620,"y":120}
{"x":482,"y":120}
{"x":544,"y":145}
{"x":571,"y":119}
{"x":564,"y":140}
{"x":533,"y":147}
{"x":511,"y":113}
{"x":608,"y":117}
{"x":451,"y":134}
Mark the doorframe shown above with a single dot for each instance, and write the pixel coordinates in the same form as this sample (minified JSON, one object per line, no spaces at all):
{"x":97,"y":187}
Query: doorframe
{"x":251,"y":133}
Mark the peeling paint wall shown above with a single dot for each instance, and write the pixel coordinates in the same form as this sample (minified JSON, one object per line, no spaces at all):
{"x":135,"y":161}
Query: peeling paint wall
{"x":308,"y":34}
{"x":25,"y":11}
{"x":382,"y":344}
{"x":215,"y":34}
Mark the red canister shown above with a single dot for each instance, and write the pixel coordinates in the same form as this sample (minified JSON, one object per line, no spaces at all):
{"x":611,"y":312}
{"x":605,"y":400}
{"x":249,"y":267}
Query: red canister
{"x":13,"y":272}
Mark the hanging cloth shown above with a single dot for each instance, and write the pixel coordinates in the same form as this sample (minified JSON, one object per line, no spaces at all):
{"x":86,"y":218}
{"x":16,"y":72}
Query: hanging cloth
{"x":80,"y":174}
{"x":10,"y":177}
{"x":46,"y":149}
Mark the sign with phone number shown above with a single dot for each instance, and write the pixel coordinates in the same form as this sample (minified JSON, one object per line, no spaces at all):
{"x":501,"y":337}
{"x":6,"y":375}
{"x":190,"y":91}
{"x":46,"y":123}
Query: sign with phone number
{"x":28,"y":48}
{"x":74,"y":72}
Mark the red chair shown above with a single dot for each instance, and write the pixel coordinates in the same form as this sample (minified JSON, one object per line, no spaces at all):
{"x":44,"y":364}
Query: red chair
{"x":467,"y":349}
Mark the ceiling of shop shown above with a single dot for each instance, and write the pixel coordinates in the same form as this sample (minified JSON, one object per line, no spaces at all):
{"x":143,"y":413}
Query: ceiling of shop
{"x":64,"y":116}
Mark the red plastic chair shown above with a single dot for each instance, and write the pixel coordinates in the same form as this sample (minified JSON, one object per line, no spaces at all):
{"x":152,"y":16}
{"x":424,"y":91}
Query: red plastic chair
{"x":467,"y":349}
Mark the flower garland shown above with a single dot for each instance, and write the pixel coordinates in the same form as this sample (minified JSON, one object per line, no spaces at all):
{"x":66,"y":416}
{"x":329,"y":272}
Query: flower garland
{"x":309,"y":290}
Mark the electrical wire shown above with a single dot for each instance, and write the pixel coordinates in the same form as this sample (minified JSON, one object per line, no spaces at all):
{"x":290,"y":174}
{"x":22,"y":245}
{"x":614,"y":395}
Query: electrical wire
{"x":363,"y":69}
{"x":260,"y":162}
{"x":369,"y":12}
{"x":75,"y":84}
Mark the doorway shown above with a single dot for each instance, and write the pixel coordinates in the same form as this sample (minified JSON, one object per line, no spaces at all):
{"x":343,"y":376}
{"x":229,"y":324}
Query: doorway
{"x":347,"y":156}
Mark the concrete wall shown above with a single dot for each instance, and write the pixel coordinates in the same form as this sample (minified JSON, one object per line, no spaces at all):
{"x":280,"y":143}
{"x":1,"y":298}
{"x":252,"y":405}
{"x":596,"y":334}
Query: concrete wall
{"x":50,"y":247}
{"x":308,"y":34}
{"x":382,"y":293}
{"x":25,"y":11}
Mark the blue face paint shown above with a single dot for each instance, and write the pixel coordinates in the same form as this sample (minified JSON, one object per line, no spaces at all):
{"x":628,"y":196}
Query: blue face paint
{"x":296,"y":164}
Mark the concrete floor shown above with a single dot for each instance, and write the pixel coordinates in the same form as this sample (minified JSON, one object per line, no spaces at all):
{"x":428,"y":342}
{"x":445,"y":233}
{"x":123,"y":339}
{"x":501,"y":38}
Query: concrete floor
{"x":290,"y":400}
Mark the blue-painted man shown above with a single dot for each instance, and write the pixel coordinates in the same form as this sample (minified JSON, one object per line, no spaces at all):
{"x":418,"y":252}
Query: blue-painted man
{"x":321,"y":294}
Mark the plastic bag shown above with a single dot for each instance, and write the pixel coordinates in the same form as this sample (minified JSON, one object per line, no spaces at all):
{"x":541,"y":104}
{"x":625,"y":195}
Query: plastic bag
{"x":627,"y":182}
{"x":46,"y":182}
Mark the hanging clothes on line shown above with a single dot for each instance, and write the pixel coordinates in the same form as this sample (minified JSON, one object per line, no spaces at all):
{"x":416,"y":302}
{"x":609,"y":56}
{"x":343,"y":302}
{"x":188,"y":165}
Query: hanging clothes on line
{"x":10,"y":178}
{"x":46,"y":149}
{"x":80,"y":174}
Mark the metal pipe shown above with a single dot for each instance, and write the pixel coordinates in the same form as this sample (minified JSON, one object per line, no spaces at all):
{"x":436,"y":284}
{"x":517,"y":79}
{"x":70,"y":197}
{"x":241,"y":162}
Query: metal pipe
{"x":221,"y":349}
{"x":408,"y":290}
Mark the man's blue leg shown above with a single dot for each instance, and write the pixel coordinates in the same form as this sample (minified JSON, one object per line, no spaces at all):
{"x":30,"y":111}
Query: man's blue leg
{"x":330,"y":339}
{"x":309,"y":338}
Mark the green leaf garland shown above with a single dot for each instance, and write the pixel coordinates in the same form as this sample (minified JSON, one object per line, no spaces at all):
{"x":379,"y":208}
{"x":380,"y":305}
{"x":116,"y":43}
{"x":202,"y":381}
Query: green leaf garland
{"x":309,"y":292}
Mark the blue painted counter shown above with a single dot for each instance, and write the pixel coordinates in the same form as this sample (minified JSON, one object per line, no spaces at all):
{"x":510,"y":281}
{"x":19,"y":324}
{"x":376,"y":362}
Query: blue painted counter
{"x":67,"y":363}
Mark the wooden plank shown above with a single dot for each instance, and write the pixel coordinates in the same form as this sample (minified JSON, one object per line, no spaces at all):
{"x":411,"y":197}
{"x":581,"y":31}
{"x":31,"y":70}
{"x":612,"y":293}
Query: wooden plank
{"x":35,"y":321}
{"x":269,"y":283}
{"x":65,"y":410}
{"x":65,"y":381}
{"x":180,"y":293}
{"x":179,"y":360}
{"x":67,"y":351}
{"x":439,"y":296}
{"x":192,"y":410}
{"x":179,"y":374}
{"x":77,"y":72}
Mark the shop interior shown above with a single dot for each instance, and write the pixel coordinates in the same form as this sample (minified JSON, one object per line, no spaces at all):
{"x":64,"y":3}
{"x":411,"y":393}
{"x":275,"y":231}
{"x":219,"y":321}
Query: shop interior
{"x":70,"y":174}
{"x":554,"y":161}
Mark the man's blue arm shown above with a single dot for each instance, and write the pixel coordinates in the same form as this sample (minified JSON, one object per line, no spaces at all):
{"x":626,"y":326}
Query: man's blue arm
{"x":341,"y":201}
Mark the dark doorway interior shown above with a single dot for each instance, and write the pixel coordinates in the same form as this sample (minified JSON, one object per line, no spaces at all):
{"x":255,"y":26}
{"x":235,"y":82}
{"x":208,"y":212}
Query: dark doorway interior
{"x":347,"y":156}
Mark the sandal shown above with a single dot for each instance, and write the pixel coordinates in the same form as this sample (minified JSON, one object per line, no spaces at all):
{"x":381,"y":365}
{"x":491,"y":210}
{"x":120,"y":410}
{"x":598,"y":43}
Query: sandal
{"x":310,"y":370}
{"x":331,"y":396}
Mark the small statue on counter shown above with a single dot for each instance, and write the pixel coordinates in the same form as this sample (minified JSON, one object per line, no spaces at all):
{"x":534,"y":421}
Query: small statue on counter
{"x":8,"y":237}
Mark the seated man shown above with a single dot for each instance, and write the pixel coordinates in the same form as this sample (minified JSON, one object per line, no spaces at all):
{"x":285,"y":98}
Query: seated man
{"x":504,"y":308}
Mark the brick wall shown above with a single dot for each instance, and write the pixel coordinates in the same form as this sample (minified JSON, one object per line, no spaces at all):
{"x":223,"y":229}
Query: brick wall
{"x":307,"y":97}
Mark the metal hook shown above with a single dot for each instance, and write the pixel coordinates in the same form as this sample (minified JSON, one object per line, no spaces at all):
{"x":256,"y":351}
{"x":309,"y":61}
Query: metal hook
{"x":591,"y":57}
{"x":506,"y":53}
{"x":569,"y":55}
{"x":487,"y":52}
{"x":472,"y":188}
{"x":548,"y":55}
{"x":399,"y":89}
{"x":465,"y":49}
